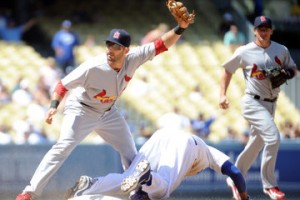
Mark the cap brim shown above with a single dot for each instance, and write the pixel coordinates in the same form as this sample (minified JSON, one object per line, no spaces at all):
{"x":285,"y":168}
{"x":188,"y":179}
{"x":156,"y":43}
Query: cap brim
{"x":113,"y":41}
{"x":263,"y":24}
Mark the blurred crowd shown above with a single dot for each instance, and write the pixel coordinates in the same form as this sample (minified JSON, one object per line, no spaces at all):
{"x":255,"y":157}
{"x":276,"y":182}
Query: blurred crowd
{"x":30,"y":129}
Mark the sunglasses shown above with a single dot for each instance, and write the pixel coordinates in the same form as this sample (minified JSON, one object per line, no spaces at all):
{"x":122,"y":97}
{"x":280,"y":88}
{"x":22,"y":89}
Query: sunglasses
{"x":112,"y":45}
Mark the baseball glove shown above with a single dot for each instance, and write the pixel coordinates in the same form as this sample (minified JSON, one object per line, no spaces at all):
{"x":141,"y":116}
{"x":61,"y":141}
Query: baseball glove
{"x":278,"y":75}
{"x":180,"y":12}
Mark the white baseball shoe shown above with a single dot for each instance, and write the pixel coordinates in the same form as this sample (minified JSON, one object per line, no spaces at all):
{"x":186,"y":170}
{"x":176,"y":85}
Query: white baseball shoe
{"x":82,"y":184}
{"x":140,"y":176}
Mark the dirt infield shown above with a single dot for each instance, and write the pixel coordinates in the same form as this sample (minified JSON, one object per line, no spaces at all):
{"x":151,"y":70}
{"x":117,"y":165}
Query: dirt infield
{"x":255,"y":195}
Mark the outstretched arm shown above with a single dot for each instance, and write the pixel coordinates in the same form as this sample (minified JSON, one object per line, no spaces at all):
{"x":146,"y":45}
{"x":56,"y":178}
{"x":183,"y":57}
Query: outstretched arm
{"x":236,"y":176}
{"x":183,"y":18}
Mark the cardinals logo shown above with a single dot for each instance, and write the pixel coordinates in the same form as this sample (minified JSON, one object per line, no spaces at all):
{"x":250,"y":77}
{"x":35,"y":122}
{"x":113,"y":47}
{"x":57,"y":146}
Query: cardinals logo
{"x":104,"y":99}
{"x":116,"y":35}
{"x":127,"y":78}
{"x":278,"y":61}
{"x":258,"y":74}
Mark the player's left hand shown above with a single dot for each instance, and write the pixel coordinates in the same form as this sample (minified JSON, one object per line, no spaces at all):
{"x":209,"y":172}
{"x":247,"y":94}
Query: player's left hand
{"x":180,"y":13}
{"x":49,"y":115}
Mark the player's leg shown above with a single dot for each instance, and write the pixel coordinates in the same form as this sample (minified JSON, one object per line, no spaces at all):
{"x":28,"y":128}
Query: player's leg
{"x":173,"y":156}
{"x":249,"y":153}
{"x":141,"y":175}
{"x":115,"y":131}
{"x":271,"y":137}
{"x":109,"y":185}
{"x":252,"y":114}
{"x":263,"y":123}
{"x":74,"y":130}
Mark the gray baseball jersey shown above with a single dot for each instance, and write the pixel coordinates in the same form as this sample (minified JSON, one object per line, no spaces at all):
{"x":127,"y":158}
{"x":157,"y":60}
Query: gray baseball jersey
{"x":264,"y":134}
{"x":93,"y":88}
{"x":253,"y":60}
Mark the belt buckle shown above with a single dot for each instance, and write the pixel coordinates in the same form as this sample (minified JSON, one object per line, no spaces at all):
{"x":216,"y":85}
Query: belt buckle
{"x":256,"y":97}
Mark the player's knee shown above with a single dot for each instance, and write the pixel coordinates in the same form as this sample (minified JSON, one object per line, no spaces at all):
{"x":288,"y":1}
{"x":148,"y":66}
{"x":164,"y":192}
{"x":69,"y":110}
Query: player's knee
{"x":63,"y":149}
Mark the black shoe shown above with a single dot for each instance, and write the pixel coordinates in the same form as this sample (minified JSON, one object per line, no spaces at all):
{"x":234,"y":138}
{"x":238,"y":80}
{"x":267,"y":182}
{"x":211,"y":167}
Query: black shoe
{"x":139,"y":195}
{"x":141,"y":175}
{"x":83,"y":183}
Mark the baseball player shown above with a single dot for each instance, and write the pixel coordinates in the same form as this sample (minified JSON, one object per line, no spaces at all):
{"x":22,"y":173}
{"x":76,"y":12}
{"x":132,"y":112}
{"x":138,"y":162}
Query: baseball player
{"x":259,"y":101}
{"x":93,"y":88}
{"x":163,"y":162}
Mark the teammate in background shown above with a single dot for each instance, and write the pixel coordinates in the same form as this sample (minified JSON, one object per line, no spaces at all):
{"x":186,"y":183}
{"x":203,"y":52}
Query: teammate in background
{"x":93,"y":88}
{"x":234,"y":38}
{"x":259,"y":101}
{"x":161,"y":165}
{"x":225,"y":24}
{"x":63,"y":43}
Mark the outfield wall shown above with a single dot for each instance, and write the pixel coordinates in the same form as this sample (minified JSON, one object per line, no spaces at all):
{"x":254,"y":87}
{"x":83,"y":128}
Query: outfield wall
{"x":18,"y":163}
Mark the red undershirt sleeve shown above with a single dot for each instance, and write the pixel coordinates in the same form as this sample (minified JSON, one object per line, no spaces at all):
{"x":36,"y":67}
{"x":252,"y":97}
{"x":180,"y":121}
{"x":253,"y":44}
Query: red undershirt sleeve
{"x":60,"y":89}
{"x":159,"y":46}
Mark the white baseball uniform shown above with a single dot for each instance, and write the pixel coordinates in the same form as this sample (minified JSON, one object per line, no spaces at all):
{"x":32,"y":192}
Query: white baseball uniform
{"x":93,"y":89}
{"x":173,"y":155}
{"x":259,"y":104}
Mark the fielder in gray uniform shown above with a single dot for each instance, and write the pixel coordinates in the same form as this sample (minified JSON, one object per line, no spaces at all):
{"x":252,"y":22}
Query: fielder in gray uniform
{"x":93,"y":88}
{"x":259,"y":101}
{"x":161,"y":165}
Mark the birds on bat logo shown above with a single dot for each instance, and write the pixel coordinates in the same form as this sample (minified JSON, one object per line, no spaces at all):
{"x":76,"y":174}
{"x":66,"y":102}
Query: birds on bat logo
{"x":104,"y":99}
{"x":255,"y":72}
{"x":127,"y":78}
{"x":101,"y":96}
{"x":260,"y":74}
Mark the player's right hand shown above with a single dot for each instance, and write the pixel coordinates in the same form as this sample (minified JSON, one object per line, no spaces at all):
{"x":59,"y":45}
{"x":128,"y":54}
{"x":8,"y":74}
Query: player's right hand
{"x":224,"y":103}
{"x":49,"y":115}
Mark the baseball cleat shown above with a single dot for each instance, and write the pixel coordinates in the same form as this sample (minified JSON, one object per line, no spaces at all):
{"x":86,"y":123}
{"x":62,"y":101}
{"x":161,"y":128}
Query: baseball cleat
{"x":24,"y":196}
{"x":274,"y":193}
{"x":138,"y":194}
{"x":141,"y":175}
{"x":235,"y":192}
{"x":83,"y":183}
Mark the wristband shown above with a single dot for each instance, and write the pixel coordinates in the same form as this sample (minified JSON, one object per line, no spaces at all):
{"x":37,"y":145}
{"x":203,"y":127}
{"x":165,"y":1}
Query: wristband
{"x":178,"y":30}
{"x":291,"y":73}
{"x":54,"y":104}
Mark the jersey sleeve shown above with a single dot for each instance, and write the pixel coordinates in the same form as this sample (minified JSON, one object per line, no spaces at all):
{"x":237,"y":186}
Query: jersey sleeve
{"x":139,"y":55}
{"x":288,"y":62}
{"x":234,"y":62}
{"x":77,"y":77}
